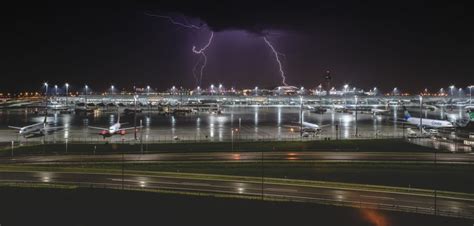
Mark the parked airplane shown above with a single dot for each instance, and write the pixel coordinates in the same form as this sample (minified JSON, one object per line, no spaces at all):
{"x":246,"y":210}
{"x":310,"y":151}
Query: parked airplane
{"x":306,"y":127}
{"x":427,"y":123}
{"x":424,"y":133}
{"x":37,"y":129}
{"x":376,"y":111}
{"x":114,"y":129}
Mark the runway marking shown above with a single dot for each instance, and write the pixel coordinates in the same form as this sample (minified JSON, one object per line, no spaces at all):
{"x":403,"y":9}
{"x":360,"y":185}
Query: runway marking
{"x":201,"y":158}
{"x":127,"y":180}
{"x":377,"y":197}
{"x":192,"y":183}
{"x":281,"y":189}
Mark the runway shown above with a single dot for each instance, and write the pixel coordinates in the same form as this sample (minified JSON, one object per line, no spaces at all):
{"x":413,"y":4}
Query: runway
{"x":248,"y":156}
{"x":401,"y":201}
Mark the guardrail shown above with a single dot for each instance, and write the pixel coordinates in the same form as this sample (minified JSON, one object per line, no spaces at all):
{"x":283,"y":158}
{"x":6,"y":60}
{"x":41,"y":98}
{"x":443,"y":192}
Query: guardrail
{"x":458,"y":213}
{"x":200,"y":138}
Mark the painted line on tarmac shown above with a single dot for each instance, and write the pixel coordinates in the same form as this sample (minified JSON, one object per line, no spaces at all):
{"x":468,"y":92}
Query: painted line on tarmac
{"x":377,"y":197}
{"x":281,"y":189}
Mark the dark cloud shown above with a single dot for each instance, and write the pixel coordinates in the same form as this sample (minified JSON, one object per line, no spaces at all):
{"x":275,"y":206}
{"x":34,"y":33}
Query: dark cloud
{"x":365,"y":43}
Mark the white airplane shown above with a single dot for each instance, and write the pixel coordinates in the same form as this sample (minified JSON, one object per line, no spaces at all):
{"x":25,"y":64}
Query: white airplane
{"x":376,"y":111}
{"x":37,"y":129}
{"x":429,"y":123}
{"x":412,"y":133}
{"x":115,"y":129}
{"x":306,"y":127}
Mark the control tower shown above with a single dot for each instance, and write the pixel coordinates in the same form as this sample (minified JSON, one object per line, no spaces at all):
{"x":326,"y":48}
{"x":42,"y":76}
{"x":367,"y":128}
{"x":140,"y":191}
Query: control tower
{"x":327,"y":82}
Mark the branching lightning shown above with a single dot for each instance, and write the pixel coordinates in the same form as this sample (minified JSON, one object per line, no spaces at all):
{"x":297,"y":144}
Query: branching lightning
{"x":201,"y":52}
{"x":276,"y":53}
{"x":173,"y":21}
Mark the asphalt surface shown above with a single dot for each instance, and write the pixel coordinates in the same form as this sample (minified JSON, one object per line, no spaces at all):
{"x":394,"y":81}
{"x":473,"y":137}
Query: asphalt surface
{"x":248,"y":156}
{"x":385,"y":200}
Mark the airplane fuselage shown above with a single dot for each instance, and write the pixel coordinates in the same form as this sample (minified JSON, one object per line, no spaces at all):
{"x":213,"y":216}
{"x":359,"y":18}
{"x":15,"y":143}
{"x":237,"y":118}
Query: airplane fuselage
{"x":112,"y":130}
{"x":35,"y":128}
{"x":433,"y":123}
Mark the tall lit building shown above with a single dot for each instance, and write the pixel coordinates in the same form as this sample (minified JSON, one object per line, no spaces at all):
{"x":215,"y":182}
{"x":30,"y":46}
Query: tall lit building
{"x":327,"y":82}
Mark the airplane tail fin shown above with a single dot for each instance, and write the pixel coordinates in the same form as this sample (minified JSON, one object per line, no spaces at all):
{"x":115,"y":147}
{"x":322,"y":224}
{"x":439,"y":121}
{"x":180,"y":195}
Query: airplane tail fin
{"x":45,"y":115}
{"x":118,"y":115}
{"x":465,"y":122}
{"x":406,"y":113}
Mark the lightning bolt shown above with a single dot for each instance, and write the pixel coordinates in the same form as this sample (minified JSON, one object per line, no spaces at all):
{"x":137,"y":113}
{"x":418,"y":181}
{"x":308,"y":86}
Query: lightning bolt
{"x":200,"y":52}
{"x":173,"y":21}
{"x":276,"y":53}
{"x":203,"y":55}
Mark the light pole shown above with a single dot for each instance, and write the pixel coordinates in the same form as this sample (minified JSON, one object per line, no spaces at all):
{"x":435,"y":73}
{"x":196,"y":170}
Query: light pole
{"x":85,"y":95}
{"x":67,"y":93}
{"x":451,"y":88}
{"x":46,"y":89}
{"x":56,"y":89}
{"x":112,"y":88}
{"x":147,"y":90}
{"x":232,"y":138}
{"x":421,"y":115}
{"x":240,"y":128}
{"x":470,"y":95}
{"x":135,"y":98}
{"x":356,"y":116}
{"x":141,"y":136}
{"x":301,"y":116}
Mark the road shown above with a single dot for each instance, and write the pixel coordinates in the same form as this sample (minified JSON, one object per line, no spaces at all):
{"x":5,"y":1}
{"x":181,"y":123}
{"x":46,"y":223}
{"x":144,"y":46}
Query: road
{"x":350,"y":197}
{"x":247,"y":156}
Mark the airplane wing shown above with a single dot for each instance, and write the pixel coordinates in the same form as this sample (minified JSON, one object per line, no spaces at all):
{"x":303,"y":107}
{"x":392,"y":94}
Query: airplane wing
{"x":292,"y":126}
{"x":130,"y":128}
{"x":54,"y":128}
{"x":99,"y":128}
{"x":14,"y":127}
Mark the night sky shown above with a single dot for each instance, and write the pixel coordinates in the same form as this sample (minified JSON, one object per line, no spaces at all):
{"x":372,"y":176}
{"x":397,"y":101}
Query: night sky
{"x":408,"y":45}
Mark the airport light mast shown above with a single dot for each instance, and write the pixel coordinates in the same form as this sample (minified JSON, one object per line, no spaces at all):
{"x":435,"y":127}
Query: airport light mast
{"x":470,"y":94}
{"x":46,"y":89}
{"x":67,"y":93}
{"x":301,"y":116}
{"x":356,"y":129}
{"x":421,"y":115}
{"x":85,"y":94}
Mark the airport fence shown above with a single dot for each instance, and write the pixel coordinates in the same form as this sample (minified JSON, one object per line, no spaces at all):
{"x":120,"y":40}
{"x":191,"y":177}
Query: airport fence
{"x":356,"y":202}
{"x":201,"y":138}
